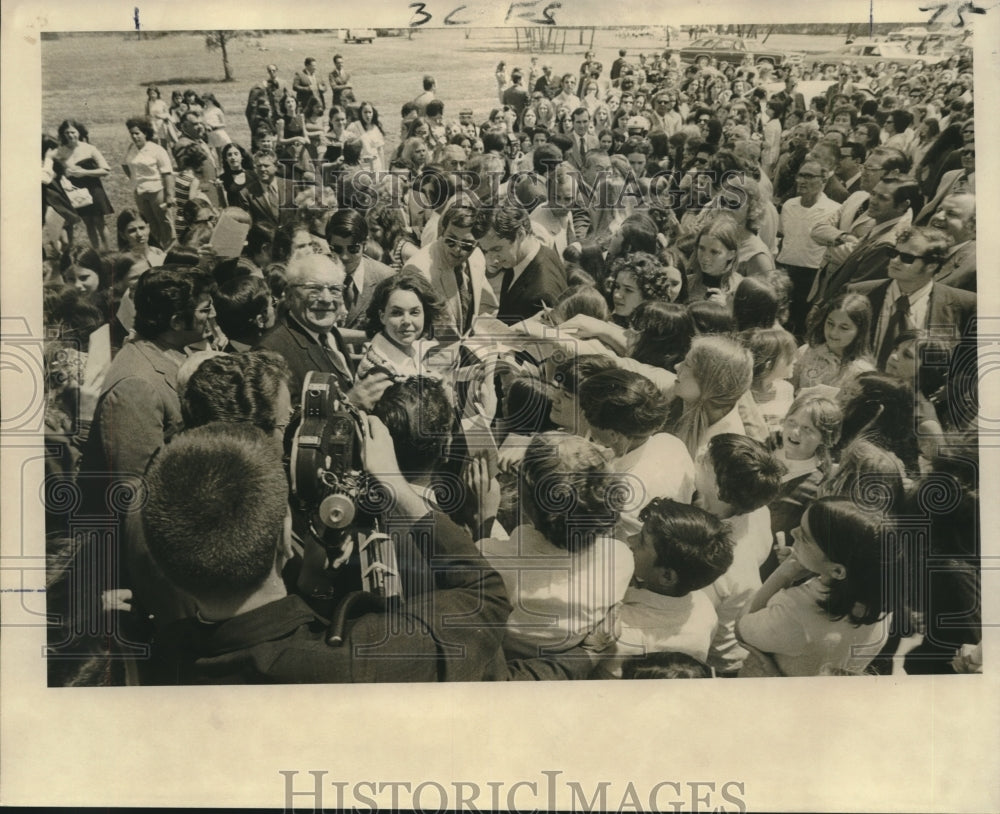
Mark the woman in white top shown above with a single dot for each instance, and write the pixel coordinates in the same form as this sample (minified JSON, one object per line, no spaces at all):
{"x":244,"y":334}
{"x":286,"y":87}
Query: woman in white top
{"x":215,"y":122}
{"x":837,"y":620}
{"x":368,"y":129}
{"x":400,"y":315}
{"x":151,"y":172}
{"x":159,"y":115}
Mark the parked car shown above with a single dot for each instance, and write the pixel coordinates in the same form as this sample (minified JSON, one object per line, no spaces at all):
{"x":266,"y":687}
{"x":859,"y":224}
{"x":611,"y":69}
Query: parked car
{"x":733,"y":50}
{"x":871,"y":53}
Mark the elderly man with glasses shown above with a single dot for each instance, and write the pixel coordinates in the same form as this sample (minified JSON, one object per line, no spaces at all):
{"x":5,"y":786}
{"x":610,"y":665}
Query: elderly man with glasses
{"x":307,"y":335}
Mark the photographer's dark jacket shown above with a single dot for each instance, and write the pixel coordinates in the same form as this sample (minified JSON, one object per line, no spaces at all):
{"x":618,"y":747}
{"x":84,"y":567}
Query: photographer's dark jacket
{"x":451,"y":633}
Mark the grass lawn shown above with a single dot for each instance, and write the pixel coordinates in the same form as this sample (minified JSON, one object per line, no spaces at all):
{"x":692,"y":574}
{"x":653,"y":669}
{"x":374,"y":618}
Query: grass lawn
{"x":100,"y":79}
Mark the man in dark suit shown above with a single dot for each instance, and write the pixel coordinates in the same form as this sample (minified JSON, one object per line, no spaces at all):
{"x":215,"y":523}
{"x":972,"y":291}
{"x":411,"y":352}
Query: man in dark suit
{"x":347,"y":233}
{"x":583,"y":141}
{"x":956,"y":216}
{"x":269,"y":199}
{"x":888,"y":206}
{"x":307,"y":336}
{"x":911,"y":299}
{"x":533,"y":274}
{"x":516,"y":96}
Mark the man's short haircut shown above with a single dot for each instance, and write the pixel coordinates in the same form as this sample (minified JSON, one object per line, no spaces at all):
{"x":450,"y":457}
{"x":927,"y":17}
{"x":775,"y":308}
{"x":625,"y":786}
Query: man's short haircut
{"x":854,"y":150}
{"x":217,"y":498}
{"x":348,"y":224}
{"x":419,"y":415}
{"x":505,"y":221}
{"x":407,"y":109}
{"x":905,"y":190}
{"x":747,"y":474}
{"x":623,"y":401}
{"x":262,"y":155}
{"x":463,"y":217}
{"x":901,"y":119}
{"x":893,"y":160}
{"x":546,"y":157}
{"x":516,"y":76}
{"x":938,"y":242}
{"x":163,"y":293}
{"x":238,"y":388}
{"x":428,"y":82}
{"x":571,"y":373}
{"x":693,"y":543}
{"x":579,"y":111}
{"x":304,"y":263}
{"x":435,"y":107}
{"x":238,"y":302}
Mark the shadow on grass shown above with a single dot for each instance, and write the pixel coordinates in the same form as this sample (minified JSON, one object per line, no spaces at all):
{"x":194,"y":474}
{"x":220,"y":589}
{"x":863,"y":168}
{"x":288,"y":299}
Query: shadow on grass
{"x":186,"y":80}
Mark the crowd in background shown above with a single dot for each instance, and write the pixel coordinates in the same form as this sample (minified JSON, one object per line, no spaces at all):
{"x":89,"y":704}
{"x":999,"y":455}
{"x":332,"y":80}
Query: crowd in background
{"x":696,"y":352}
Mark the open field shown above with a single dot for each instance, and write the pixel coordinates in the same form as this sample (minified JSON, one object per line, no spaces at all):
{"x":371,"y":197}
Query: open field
{"x":100,"y":79}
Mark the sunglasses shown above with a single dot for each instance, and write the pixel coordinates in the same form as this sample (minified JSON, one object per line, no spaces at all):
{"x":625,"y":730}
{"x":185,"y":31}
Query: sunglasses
{"x":906,"y":257}
{"x":464,"y":245}
{"x":353,"y":248}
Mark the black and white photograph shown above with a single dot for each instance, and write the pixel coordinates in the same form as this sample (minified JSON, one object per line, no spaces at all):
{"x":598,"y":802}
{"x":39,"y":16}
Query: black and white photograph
{"x":492,"y":358}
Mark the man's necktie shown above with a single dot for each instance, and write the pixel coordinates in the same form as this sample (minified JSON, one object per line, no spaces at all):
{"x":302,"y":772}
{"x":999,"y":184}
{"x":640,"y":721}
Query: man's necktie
{"x":350,"y":293}
{"x":897,"y":324}
{"x":464,"y":297}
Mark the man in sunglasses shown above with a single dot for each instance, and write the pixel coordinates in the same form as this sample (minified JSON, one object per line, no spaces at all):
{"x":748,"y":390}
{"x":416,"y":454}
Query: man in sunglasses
{"x":347,"y":233}
{"x":911,"y":299}
{"x":457,"y":271}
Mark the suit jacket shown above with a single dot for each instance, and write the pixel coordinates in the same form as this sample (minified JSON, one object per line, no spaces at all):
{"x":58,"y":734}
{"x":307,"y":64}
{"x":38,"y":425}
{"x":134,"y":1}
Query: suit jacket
{"x":948,"y":181}
{"x":868,"y":261}
{"x":263,"y":209}
{"x":373,"y":273}
{"x":948,"y":310}
{"x":590,"y":142}
{"x":303,"y":353}
{"x":541,"y":283}
{"x":449,"y":326}
{"x":959,"y":268}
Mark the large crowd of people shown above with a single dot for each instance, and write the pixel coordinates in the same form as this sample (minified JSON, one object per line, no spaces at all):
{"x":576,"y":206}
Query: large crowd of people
{"x":670,"y":372}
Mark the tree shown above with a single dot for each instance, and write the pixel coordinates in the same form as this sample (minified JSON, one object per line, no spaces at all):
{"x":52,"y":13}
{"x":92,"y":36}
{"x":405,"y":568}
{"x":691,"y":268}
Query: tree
{"x":220,"y":39}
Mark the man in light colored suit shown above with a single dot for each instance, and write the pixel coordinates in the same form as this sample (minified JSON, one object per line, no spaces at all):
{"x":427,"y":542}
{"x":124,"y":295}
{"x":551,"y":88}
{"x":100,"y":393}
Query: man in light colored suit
{"x":347,"y":233}
{"x":457,"y":271}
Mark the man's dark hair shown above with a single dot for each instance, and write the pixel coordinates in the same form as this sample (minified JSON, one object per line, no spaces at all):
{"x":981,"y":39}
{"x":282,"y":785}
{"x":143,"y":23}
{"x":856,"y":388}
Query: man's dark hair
{"x":217,"y":498}
{"x":348,"y":224}
{"x":435,"y":107}
{"x":419,"y":416}
{"x":163,"y":293}
{"x":546,"y":157}
{"x":693,"y":543}
{"x":428,"y":82}
{"x":506,"y":221}
{"x":238,"y":302}
{"x":747,"y":474}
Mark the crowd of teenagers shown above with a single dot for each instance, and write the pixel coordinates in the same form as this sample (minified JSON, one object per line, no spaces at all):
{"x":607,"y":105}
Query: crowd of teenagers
{"x":669,"y":370}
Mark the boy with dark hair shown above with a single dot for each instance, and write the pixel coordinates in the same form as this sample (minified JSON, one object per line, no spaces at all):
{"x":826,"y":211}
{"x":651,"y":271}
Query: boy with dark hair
{"x":736,"y":479}
{"x":679,"y":550}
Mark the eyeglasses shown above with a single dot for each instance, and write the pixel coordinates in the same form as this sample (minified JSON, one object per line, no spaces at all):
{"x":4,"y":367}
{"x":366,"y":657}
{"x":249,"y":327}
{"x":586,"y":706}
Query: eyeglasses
{"x":463,"y":245}
{"x":906,"y":257}
{"x":353,"y":248}
{"x":315,"y":290}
